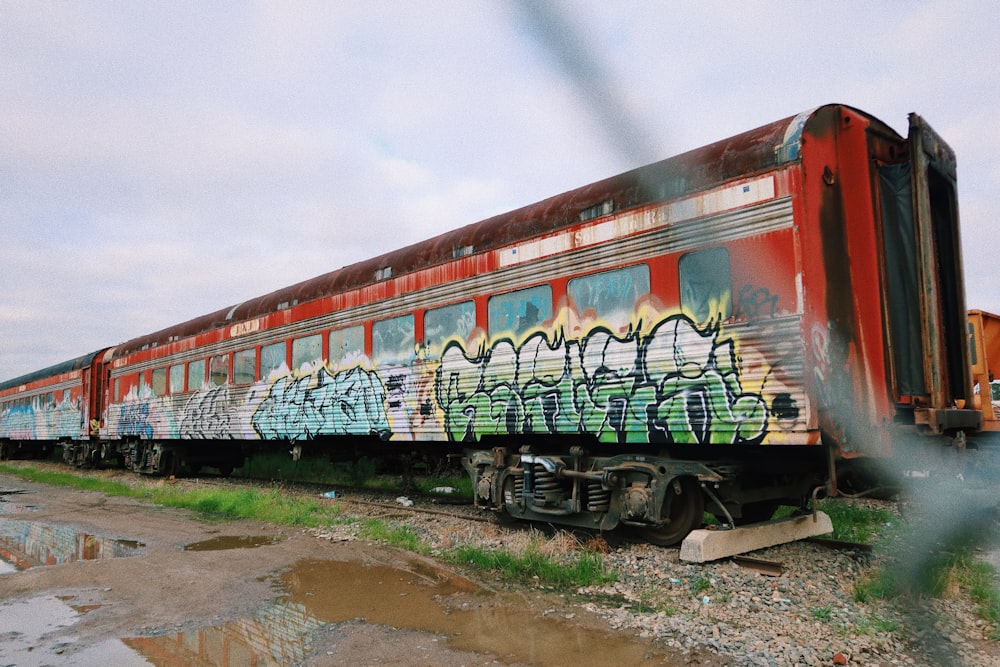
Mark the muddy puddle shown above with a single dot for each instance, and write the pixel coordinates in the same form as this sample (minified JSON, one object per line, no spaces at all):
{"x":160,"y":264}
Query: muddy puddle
{"x":39,"y":631}
{"x":224,"y":542}
{"x":322,"y":594}
{"x":27,"y":544}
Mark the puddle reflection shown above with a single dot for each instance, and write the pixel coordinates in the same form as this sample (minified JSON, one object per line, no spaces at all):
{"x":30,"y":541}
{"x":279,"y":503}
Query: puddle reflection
{"x":27,"y":544}
{"x":323,"y":593}
{"x":280,"y":635}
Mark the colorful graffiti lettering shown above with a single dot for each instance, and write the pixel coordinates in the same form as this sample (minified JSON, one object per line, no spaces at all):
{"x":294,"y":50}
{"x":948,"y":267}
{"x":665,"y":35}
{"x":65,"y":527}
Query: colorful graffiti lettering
{"x":350,"y":402}
{"x":675,"y":384}
{"x":50,"y":421}
{"x":208,"y":414}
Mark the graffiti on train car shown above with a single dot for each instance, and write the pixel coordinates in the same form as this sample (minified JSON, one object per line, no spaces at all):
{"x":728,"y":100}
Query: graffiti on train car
{"x":43,"y":421}
{"x":348,"y":402}
{"x":676,"y":384}
{"x":673,"y":383}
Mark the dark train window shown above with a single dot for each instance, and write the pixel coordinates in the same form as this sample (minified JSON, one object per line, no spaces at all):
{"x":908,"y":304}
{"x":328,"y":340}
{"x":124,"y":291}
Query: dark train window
{"x":347,"y":345}
{"x":394,"y":340}
{"x":177,"y":379}
{"x":272,"y":358}
{"x":245,"y":366}
{"x":706,"y":285}
{"x":196,"y":375}
{"x":160,"y":382}
{"x":454,"y":321}
{"x":307,"y":351}
{"x":610,"y":297}
{"x":520,"y":311}
{"x":220,"y":370}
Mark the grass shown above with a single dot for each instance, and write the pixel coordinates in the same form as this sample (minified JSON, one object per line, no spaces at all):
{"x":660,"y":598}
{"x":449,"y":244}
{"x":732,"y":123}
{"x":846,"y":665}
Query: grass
{"x":402,"y":537}
{"x":584,"y":568}
{"x":269,"y":505}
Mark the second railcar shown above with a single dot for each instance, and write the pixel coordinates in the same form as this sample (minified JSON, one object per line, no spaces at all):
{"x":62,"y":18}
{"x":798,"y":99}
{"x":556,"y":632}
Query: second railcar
{"x":58,"y":405}
{"x":713,"y":331}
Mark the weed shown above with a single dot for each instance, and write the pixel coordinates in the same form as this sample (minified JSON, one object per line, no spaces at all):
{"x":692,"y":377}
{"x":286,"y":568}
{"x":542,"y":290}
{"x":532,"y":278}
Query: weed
{"x":402,"y":537}
{"x":700,"y":585}
{"x":822,"y":613}
{"x":878,"y":585}
{"x":581,"y":569}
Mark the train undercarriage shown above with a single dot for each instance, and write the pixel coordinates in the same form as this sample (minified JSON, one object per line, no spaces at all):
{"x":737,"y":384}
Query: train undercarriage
{"x":663,"y":497}
{"x":154,"y":457}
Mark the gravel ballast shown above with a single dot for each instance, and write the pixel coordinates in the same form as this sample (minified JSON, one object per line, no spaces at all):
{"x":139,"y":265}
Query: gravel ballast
{"x":808,"y":615}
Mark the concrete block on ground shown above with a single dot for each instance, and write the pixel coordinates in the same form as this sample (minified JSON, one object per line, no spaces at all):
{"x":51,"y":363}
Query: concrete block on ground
{"x":701,"y":546}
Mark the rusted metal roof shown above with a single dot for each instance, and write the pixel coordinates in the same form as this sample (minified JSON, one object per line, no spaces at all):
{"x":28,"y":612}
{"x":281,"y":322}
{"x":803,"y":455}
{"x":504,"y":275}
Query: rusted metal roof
{"x":742,"y":155}
{"x":52,"y":371}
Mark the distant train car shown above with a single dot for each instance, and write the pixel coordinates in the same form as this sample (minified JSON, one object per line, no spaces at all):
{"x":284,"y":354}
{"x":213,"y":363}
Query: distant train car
{"x":49,"y":407}
{"x":716,"y":331}
{"x":984,"y":329}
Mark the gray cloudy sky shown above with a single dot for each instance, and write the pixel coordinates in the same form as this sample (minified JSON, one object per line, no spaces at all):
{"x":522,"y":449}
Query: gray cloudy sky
{"x":161,"y":160}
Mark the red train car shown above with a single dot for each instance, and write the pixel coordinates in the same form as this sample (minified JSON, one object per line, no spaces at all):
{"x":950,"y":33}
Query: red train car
{"x":51,"y":406}
{"x":713,"y":331}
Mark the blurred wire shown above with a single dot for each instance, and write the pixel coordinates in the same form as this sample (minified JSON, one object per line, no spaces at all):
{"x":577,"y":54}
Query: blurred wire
{"x":570,"y":49}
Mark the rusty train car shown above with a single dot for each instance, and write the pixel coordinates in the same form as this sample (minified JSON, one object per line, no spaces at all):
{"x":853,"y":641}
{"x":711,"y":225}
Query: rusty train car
{"x":51,"y":406}
{"x":723,"y":330}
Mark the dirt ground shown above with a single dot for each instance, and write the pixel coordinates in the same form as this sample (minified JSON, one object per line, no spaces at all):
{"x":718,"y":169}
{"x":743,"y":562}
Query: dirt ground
{"x":288,"y":599}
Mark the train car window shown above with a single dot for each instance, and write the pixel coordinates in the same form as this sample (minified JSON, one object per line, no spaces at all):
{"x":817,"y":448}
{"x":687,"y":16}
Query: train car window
{"x":245,"y":366}
{"x":520,"y":311}
{"x":610,"y":296}
{"x":394,"y":340}
{"x":706,"y":285}
{"x":272,"y":359}
{"x":160,"y":382}
{"x":177,"y":379}
{"x":307,"y":351}
{"x":347,"y":345}
{"x":219,"y":370}
{"x":118,"y":389}
{"x":454,"y":321}
{"x":196,"y":375}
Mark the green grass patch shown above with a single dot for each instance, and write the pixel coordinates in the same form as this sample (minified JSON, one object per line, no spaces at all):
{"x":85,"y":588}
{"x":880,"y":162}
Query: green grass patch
{"x":822,"y":613}
{"x":268,"y":505}
{"x":70,"y":480}
{"x":582,"y":569}
{"x":858,"y":523}
{"x":402,"y":537}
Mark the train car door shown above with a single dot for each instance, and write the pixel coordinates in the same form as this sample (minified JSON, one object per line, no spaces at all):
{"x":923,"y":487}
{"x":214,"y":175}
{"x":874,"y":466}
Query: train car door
{"x":925,"y":289}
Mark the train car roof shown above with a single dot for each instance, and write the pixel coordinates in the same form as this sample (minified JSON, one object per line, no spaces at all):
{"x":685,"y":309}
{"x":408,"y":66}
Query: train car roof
{"x":757,"y":150}
{"x":56,"y":369}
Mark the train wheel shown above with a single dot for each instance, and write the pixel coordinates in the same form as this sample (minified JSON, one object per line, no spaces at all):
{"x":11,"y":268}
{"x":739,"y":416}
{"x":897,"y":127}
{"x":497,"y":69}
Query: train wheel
{"x":683,"y":507}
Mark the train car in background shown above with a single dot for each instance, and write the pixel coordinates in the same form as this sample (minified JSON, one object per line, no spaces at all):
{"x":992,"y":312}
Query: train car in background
{"x":51,"y":406}
{"x":984,"y":330}
{"x":724,"y":330}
